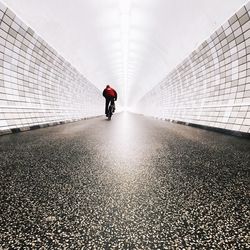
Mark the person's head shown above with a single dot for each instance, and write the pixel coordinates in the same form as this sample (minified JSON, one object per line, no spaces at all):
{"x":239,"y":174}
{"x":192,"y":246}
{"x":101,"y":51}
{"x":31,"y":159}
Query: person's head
{"x":107,"y":86}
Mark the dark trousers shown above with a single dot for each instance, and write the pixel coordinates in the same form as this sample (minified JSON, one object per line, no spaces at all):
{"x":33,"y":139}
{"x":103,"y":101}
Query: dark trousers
{"x":108,"y":100}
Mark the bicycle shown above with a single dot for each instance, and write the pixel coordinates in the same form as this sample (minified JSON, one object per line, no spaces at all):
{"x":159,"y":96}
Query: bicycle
{"x":111,"y":110}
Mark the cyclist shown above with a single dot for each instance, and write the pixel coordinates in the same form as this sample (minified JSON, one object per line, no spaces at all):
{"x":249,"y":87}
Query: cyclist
{"x":110,"y":96}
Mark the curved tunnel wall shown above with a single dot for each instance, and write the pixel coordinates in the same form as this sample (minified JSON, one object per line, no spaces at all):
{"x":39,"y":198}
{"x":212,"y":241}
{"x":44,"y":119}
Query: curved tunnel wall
{"x":37,"y":86}
{"x":211,"y":87}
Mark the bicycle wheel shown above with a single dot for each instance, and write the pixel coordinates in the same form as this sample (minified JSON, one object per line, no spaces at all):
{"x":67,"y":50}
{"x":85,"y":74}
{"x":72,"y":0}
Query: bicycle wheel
{"x":109,"y":112}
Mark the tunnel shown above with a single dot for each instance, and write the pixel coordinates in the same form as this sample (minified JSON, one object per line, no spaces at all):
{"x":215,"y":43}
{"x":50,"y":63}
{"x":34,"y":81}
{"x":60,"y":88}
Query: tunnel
{"x":169,"y":169}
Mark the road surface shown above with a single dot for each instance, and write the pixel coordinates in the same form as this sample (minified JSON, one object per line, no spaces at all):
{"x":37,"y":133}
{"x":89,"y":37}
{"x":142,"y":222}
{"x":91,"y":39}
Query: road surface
{"x":132,"y":183}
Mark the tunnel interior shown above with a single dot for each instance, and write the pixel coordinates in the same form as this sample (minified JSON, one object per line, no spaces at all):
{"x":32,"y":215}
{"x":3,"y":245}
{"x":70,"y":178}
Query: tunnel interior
{"x":133,"y":182}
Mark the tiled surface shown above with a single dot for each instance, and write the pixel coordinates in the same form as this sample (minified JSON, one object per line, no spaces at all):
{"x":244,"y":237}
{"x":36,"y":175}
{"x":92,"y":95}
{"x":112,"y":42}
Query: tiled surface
{"x":37,"y":86}
{"x":151,"y":185}
{"x":212,"y":85}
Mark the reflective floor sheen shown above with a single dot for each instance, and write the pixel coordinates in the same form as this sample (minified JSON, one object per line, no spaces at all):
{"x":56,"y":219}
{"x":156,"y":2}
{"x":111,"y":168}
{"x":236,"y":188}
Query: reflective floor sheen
{"x":132,"y":183}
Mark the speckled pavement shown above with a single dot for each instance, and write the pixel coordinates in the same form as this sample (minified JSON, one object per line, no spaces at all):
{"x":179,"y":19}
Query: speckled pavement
{"x":132,"y":183}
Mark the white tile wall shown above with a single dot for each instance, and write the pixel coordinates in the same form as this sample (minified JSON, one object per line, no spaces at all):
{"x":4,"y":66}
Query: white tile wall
{"x":37,"y":86}
{"x":211,"y":86}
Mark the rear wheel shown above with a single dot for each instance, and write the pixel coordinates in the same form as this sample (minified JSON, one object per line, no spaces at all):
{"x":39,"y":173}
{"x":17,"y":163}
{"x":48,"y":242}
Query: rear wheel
{"x":110,"y":112}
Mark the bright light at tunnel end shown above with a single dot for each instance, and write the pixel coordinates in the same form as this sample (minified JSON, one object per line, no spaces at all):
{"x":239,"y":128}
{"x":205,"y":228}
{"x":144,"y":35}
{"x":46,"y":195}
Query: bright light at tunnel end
{"x":125,"y":7}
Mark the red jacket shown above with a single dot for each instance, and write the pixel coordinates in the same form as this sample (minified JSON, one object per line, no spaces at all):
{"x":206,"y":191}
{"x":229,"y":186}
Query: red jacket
{"x":109,"y":93}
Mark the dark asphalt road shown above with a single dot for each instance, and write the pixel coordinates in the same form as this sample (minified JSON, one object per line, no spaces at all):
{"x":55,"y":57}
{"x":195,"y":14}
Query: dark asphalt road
{"x":132,"y":183}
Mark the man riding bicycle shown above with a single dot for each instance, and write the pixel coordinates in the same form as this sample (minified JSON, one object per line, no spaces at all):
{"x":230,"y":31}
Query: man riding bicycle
{"x":111,"y":96}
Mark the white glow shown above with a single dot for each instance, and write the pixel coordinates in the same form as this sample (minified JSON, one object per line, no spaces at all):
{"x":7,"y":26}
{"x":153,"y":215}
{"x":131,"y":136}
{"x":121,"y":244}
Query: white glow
{"x":125,"y":6}
{"x":129,"y":44}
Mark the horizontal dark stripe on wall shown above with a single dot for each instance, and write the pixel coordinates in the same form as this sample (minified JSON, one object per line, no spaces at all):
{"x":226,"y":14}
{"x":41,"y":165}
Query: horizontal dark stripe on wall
{"x":34,"y":127}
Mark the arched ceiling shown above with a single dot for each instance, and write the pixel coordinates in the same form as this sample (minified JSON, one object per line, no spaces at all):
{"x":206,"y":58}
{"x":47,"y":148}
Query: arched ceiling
{"x":130,"y":44}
